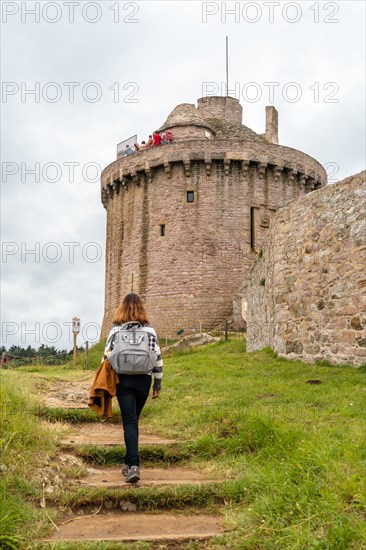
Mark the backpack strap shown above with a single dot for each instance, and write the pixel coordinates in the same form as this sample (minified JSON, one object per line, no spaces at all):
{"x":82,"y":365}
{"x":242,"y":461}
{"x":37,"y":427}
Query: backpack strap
{"x":123,"y":327}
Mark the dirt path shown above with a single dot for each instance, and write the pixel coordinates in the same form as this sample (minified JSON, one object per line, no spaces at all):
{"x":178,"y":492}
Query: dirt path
{"x":68,"y":394}
{"x":150,"y":477}
{"x":125,"y":526}
{"x":106,"y":434}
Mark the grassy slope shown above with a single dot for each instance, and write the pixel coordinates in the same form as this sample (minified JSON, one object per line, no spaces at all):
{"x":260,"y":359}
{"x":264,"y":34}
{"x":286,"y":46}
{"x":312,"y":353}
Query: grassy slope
{"x":295,"y":448}
{"x":293,"y":451}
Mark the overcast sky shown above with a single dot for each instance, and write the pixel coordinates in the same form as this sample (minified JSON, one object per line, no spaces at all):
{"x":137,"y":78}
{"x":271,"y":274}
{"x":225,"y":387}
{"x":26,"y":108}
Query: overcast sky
{"x":130,"y":64}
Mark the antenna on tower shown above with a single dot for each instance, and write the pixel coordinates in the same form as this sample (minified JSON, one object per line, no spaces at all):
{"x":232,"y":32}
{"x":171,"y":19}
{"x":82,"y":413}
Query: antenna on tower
{"x":227,"y":66}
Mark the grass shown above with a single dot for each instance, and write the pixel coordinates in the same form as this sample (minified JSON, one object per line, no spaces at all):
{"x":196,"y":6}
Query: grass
{"x":150,"y":454}
{"x":73,"y":416}
{"x":26,"y":444}
{"x":156,"y":498}
{"x":290,"y":454}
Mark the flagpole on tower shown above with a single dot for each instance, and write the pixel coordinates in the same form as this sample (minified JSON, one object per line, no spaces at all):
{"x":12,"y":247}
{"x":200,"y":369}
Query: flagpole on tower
{"x":227,"y":66}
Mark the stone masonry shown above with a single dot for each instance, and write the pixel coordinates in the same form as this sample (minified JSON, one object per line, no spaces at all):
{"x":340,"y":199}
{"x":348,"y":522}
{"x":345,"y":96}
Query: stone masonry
{"x":306,"y":291}
{"x":185,"y":220}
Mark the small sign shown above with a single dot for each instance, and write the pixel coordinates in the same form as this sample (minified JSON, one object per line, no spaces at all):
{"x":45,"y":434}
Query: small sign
{"x":76,"y":325}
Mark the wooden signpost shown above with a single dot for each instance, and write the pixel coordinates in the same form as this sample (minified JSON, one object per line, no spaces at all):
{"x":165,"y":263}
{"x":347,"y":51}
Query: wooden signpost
{"x":75,"y":330}
{"x":87,"y":355}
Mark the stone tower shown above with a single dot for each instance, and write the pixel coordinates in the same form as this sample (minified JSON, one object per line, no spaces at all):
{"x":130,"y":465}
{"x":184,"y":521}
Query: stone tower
{"x":185,"y":220}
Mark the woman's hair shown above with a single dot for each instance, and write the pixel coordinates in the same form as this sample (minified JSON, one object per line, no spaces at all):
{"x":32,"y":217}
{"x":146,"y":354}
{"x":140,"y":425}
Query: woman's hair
{"x":131,"y":309}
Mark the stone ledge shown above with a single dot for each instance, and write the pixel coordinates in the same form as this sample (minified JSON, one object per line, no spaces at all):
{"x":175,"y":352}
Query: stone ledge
{"x":112,"y":181}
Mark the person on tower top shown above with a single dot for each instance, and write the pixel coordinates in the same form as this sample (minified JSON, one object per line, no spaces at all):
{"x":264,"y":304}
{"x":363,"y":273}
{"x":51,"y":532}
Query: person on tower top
{"x":166,"y":137}
{"x":150,"y":141}
{"x":127,"y":151}
{"x":157,"y":139}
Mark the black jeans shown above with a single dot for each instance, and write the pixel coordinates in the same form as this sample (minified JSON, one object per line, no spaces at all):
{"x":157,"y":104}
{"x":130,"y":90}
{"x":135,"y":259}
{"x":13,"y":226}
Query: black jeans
{"x":132,"y":393}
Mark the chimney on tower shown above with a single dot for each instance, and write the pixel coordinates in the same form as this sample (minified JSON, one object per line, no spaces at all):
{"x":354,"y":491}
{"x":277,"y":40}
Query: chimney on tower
{"x":271,"y":133}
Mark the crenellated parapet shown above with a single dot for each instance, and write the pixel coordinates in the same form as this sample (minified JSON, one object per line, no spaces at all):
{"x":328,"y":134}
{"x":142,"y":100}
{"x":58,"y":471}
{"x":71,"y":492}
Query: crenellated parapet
{"x":281,"y":161}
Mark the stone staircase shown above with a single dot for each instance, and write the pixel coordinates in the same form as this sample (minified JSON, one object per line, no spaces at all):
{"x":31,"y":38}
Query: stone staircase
{"x":101,"y":506}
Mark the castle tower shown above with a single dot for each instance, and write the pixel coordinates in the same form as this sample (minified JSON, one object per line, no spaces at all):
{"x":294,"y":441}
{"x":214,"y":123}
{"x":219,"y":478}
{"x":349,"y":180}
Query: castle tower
{"x":185,"y":220}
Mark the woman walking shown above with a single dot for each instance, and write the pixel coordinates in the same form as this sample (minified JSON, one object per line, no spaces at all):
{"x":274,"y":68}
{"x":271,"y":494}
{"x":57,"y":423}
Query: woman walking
{"x":133,"y":389}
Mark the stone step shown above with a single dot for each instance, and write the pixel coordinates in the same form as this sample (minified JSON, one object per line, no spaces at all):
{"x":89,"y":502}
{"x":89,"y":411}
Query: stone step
{"x":124,"y":526}
{"x":150,"y":477}
{"x":106,"y":434}
{"x":68,"y":394}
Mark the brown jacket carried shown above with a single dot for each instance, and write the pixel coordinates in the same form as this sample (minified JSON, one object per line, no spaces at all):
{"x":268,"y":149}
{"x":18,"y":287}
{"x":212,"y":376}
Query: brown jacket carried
{"x":103,"y":390}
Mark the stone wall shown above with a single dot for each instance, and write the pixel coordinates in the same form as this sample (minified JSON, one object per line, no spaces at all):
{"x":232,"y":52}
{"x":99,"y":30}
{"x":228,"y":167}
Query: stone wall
{"x":306,"y":292}
{"x":224,"y":108}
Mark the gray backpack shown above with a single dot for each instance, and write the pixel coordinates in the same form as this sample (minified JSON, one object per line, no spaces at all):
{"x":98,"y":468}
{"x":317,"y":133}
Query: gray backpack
{"x":131,"y":352}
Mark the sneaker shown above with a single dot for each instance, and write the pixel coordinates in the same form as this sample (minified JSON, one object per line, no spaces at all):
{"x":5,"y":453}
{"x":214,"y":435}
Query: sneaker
{"x":125,"y":469}
{"x":133,"y":475}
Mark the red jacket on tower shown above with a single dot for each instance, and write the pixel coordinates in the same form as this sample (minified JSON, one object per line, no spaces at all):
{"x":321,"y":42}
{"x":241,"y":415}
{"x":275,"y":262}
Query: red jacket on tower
{"x":157,"y":138}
